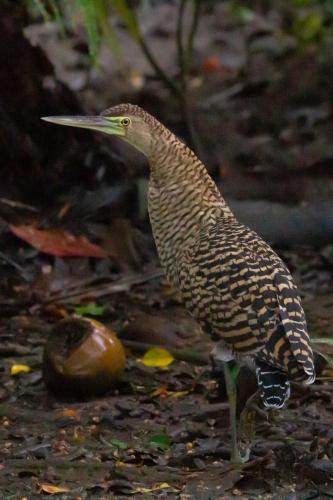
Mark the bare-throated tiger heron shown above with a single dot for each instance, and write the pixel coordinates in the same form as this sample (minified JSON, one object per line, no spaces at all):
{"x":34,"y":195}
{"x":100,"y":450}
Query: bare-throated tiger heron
{"x":231,"y":281}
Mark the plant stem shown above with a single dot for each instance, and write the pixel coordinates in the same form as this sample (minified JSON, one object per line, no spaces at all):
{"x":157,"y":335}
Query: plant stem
{"x":168,"y":82}
{"x":194,"y":27}
{"x":182,"y":62}
{"x":184,"y":52}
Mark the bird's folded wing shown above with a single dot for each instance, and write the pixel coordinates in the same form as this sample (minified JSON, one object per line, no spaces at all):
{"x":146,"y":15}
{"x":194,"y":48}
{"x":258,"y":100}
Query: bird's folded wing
{"x":231,"y":288}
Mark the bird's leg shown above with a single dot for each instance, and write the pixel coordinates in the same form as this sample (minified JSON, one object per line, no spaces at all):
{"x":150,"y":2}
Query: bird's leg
{"x":236,"y":455}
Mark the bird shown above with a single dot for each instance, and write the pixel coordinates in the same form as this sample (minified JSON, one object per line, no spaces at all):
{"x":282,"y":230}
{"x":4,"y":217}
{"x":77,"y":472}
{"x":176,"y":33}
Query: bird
{"x":229,"y":278}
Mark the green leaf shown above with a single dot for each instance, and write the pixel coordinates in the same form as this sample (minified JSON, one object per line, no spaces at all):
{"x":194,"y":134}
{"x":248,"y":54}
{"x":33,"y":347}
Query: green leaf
{"x":42,"y":10}
{"x":301,"y":3}
{"x":102,"y":15}
{"x":241,"y":12}
{"x":121,"y":445}
{"x":307,"y":28}
{"x":88,"y":9}
{"x":160,"y":441}
{"x":128,"y":16}
{"x":90,"y":310}
{"x":58,"y":16}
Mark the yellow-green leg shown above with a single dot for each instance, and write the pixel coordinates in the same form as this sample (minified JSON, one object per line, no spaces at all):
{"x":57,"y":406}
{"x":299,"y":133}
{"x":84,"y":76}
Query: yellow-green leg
{"x":236,"y":455}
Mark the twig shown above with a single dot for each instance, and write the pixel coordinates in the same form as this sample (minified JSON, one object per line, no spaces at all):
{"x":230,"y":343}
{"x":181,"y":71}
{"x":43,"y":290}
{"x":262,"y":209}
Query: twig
{"x":16,"y":266}
{"x":58,"y":463}
{"x":211,"y":409}
{"x":193,"y":30}
{"x":18,"y":204}
{"x":318,"y":495}
{"x":180,"y":48}
{"x":184,"y":56}
{"x":14,"y":350}
{"x":182,"y":354}
{"x":102,"y":290}
{"x":158,"y":70}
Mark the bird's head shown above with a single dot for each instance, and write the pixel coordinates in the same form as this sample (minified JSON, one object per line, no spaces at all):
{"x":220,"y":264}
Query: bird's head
{"x":127,"y":121}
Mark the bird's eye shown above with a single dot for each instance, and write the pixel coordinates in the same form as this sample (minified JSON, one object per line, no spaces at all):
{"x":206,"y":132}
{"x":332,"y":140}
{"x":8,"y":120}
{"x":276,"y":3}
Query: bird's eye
{"x":125,"y":122}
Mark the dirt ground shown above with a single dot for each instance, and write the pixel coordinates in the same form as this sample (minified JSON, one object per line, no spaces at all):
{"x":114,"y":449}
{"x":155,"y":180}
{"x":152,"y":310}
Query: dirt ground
{"x":161,"y":432}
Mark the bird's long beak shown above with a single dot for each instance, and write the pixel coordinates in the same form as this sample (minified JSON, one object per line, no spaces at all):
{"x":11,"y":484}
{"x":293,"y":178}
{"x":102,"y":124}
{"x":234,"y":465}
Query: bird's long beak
{"x":99,"y":123}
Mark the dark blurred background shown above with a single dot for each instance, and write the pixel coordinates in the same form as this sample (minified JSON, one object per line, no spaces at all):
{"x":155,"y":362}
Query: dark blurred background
{"x":246,"y":84}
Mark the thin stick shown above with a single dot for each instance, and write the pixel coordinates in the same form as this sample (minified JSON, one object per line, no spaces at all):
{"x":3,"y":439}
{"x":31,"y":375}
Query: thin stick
{"x":184,"y":56}
{"x":180,"y":49}
{"x":109,"y":288}
{"x":158,"y":69}
{"x":194,"y":27}
{"x":18,"y":204}
{"x":16,"y":266}
{"x":58,"y":463}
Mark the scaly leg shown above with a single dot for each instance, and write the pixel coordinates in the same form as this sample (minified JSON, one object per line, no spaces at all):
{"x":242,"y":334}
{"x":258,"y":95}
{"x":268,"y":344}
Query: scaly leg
{"x":236,"y":455}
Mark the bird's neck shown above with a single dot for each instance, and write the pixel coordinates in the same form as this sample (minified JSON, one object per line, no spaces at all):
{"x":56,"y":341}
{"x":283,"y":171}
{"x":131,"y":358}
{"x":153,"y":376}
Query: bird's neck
{"x":176,"y":170}
{"x":183,"y":199}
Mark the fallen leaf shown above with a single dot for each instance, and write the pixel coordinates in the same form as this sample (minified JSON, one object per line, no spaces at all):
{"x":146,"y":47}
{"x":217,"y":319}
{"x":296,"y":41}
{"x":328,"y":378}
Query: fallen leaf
{"x":90,"y":310}
{"x":179,"y":394}
{"x":15,"y":369}
{"x":57,"y":242}
{"x":160,"y":440}
{"x":157,"y":357}
{"x":121,"y":445}
{"x":119,"y":463}
{"x":211,"y":64}
{"x":71,"y":413}
{"x":49,"y":488}
{"x":164,"y":393}
{"x":156,"y":487}
{"x":160,"y":391}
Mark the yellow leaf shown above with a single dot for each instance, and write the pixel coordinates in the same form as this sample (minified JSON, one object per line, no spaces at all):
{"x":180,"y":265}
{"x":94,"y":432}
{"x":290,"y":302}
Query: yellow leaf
{"x":156,"y":487}
{"x":119,"y":463}
{"x":49,"y":488}
{"x":157,"y":357}
{"x":164,"y":393}
{"x":15,"y":369}
{"x":160,"y":391}
{"x":70,"y":413}
{"x":179,"y":394}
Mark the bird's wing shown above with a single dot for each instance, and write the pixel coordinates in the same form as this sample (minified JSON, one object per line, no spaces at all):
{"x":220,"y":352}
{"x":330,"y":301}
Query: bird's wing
{"x":229,"y":287}
{"x":242,"y":292}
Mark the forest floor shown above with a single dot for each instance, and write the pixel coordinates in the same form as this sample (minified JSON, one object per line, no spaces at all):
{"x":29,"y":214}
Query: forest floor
{"x":161,"y":432}
{"x":263,"y":110}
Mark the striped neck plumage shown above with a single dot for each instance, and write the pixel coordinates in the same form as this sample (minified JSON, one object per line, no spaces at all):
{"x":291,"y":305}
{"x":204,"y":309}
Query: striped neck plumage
{"x":175,"y":167}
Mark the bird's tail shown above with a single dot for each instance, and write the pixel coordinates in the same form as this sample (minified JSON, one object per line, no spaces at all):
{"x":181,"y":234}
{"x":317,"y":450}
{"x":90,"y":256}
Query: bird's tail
{"x":274,"y":386}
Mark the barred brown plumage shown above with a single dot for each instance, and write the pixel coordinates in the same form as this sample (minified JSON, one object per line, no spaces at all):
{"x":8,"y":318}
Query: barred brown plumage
{"x":232,"y":282}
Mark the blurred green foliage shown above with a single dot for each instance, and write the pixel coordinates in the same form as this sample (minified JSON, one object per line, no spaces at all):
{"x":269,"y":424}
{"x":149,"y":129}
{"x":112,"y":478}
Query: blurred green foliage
{"x":311,"y":20}
{"x":95,"y":15}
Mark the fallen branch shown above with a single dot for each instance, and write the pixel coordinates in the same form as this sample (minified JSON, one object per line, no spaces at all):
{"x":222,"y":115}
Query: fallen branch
{"x":98,"y":291}
{"x":59,"y":463}
{"x":14,"y":350}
